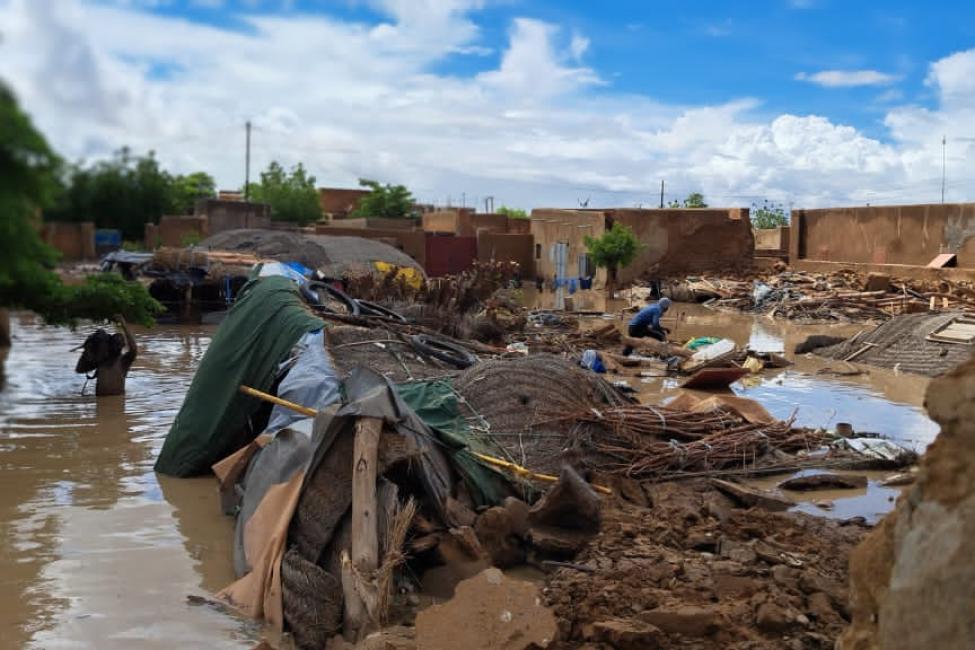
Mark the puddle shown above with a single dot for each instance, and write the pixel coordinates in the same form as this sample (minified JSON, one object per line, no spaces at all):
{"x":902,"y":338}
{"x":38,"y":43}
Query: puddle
{"x":871,"y":502}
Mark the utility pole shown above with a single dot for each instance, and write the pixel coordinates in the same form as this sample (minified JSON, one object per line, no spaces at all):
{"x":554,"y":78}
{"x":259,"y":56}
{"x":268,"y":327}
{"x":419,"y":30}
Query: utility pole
{"x":944,"y":161}
{"x":661,"y":193}
{"x":463,"y":199}
{"x":247,"y":163}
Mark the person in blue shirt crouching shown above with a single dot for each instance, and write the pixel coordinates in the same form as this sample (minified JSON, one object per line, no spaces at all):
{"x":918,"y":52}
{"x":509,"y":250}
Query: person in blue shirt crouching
{"x":646,"y":323}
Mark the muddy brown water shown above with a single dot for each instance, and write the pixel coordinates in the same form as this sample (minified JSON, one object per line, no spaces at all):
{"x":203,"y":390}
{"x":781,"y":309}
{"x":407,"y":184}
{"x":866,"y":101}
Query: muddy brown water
{"x":100,"y":552}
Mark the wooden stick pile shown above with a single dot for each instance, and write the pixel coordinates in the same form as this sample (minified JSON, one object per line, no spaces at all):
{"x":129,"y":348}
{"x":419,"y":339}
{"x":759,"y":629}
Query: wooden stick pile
{"x":843,"y":295}
{"x":648,"y":442}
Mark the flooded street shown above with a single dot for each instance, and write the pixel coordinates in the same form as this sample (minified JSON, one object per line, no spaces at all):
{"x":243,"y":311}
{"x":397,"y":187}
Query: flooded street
{"x":99,"y":551}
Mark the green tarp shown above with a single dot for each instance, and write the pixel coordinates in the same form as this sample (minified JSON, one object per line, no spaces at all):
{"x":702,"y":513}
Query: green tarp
{"x":436,"y":403}
{"x":262,"y":327}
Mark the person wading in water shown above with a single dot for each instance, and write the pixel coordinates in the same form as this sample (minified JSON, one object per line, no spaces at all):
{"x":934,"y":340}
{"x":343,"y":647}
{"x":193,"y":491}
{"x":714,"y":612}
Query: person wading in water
{"x":110,"y":356}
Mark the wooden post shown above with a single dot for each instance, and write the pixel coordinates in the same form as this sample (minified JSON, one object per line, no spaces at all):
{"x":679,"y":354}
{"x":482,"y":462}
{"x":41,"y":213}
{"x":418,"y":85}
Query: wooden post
{"x":5,"y":328}
{"x":359,"y":569}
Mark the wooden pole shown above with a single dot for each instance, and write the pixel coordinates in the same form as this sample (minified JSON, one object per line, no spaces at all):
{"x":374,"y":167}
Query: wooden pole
{"x":359,"y":587}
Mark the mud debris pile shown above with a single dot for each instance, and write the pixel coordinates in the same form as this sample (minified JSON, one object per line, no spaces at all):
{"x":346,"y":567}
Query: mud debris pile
{"x":690,"y":570}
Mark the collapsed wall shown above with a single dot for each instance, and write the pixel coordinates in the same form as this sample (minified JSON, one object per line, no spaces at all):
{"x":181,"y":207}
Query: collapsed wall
{"x":913,"y":577}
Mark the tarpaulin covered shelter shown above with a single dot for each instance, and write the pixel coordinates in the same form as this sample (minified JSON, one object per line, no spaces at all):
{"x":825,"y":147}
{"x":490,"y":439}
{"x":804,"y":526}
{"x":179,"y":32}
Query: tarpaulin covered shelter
{"x":216,"y":420}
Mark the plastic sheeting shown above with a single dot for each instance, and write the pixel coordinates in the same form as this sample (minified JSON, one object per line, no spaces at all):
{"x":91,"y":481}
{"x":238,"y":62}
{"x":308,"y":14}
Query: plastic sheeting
{"x":215,"y":420}
{"x":272,"y":485}
{"x":437,"y":404}
{"x":311,"y":381}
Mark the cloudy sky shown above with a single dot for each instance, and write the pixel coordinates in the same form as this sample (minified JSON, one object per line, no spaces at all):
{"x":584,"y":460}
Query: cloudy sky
{"x":533,"y":102}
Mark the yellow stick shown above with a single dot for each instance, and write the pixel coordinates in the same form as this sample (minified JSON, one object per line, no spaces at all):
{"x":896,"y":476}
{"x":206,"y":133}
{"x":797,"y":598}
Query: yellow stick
{"x":267,"y":397}
{"x":521,"y":471}
{"x":517,"y":469}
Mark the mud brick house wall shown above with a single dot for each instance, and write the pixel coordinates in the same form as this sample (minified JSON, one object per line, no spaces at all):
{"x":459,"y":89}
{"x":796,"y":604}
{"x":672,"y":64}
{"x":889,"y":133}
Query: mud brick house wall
{"x":75,"y":241}
{"x":673,"y":241}
{"x":508,"y":247}
{"x":232,"y":215}
{"x":901,"y":234}
{"x":338,"y":203}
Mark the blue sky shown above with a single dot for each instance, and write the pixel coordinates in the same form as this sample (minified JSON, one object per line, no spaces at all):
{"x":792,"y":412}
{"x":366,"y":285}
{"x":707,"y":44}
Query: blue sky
{"x":808,"y":102}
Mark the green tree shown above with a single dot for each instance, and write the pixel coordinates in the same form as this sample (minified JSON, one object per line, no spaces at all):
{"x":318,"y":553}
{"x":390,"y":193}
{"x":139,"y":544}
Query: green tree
{"x":614,"y":249}
{"x":28,"y":183}
{"x":189,"y":189}
{"x":291,"y":195}
{"x":512,"y":213}
{"x":125,"y":192}
{"x":770,"y":215}
{"x":693,"y":200}
{"x":390,"y":201}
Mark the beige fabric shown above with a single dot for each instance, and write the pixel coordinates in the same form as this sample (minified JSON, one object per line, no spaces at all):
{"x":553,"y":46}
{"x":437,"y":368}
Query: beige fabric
{"x":258,"y":594}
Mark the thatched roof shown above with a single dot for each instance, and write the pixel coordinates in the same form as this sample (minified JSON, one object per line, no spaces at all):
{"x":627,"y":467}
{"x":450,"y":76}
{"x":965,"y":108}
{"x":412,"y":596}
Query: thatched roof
{"x":335,"y":256}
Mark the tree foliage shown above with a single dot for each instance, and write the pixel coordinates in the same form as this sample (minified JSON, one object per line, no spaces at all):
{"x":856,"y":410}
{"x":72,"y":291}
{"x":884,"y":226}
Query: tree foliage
{"x":189,"y":189}
{"x":28,"y":183}
{"x":614,"y":249}
{"x":512,"y":213}
{"x":126,"y":192}
{"x":770,"y":215}
{"x":693,"y":200}
{"x":389,"y":201}
{"x":291,"y":195}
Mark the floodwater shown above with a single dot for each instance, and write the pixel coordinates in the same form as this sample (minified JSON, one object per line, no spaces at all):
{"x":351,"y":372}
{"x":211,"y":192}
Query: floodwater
{"x":876,"y":401}
{"x":100,"y":552}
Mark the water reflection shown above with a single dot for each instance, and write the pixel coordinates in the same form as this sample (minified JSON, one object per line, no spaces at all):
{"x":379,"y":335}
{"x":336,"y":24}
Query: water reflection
{"x":877,"y":401}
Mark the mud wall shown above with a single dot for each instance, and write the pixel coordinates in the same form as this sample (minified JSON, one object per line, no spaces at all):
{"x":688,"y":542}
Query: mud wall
{"x":913,"y":578}
{"x":176,"y":231}
{"x":232,"y":215}
{"x":552,"y":226}
{"x":75,"y":241}
{"x":445,"y":221}
{"x":772,"y":239}
{"x":673,"y":241}
{"x":339,"y":202}
{"x":471,"y":224}
{"x":905,"y":234}
{"x":507,"y":247}
{"x":687,"y":241}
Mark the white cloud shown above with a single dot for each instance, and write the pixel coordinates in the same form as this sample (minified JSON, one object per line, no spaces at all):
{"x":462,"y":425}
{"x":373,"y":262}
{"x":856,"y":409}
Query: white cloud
{"x":541,"y":127}
{"x":847,"y":78}
{"x":578,"y":46}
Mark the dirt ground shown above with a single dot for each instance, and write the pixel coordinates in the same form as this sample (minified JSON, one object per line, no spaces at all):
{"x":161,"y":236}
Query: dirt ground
{"x":690,"y":570}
